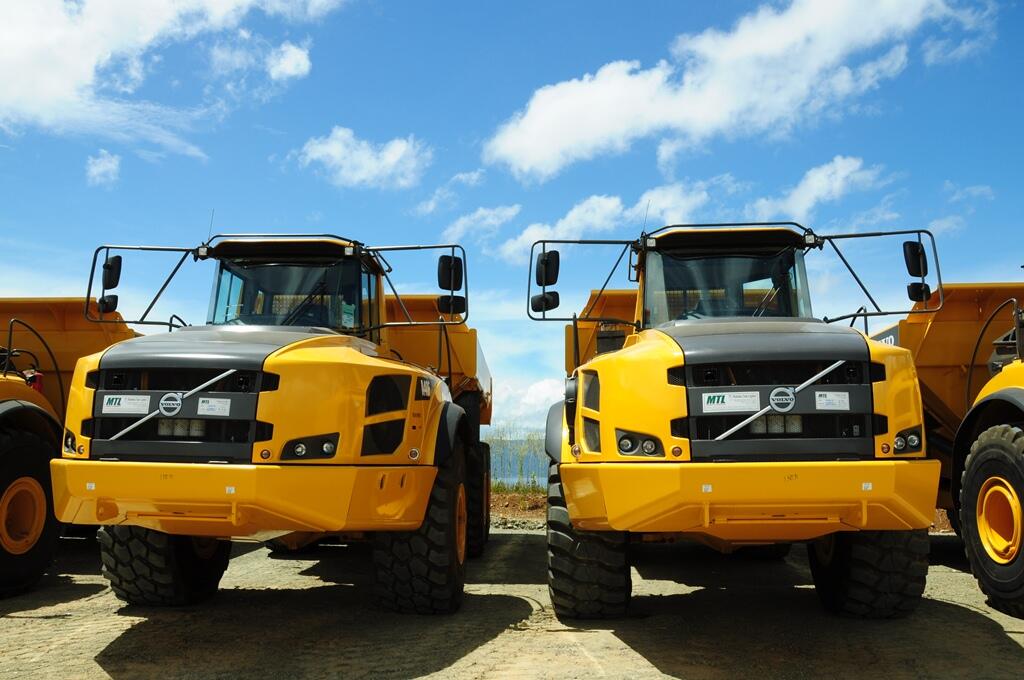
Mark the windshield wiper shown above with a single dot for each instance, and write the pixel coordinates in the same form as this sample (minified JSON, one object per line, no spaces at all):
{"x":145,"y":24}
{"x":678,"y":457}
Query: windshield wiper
{"x":319,"y":289}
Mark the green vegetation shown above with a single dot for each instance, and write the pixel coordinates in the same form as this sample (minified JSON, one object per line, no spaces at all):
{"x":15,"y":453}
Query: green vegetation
{"x":518,"y":461}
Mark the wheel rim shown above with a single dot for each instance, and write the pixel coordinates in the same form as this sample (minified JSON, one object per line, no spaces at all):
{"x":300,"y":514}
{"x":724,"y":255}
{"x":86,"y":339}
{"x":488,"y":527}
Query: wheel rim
{"x":999,"y":520}
{"x":22,"y":515}
{"x":460,"y":524}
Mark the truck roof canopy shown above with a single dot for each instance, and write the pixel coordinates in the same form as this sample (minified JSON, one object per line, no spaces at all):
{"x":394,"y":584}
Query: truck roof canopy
{"x":718,"y":240}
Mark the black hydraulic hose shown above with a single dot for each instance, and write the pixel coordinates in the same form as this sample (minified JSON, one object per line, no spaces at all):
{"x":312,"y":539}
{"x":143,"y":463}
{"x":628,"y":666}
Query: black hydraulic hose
{"x":46,"y":346}
{"x":974,"y":354}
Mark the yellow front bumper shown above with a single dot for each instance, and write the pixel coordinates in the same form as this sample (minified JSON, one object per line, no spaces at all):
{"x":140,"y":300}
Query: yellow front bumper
{"x":752,"y":502}
{"x":241,"y":500}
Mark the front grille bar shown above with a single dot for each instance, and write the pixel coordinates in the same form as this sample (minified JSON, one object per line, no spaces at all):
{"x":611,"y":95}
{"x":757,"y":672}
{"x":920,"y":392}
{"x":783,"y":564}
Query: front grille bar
{"x":797,"y":390}
{"x":185,"y":396}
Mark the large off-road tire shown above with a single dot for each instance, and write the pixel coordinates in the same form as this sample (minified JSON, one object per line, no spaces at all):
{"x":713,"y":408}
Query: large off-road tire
{"x":28,"y":529}
{"x":992,"y":518}
{"x":478,"y":500}
{"x":588,"y":571}
{"x":870,"y":574}
{"x":152,"y":568}
{"x":424,"y":571}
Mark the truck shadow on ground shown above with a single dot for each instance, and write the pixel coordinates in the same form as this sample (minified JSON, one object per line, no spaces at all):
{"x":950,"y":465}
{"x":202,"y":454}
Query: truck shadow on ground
{"x":748,"y":618}
{"x":948,"y":551}
{"x":329,"y":630}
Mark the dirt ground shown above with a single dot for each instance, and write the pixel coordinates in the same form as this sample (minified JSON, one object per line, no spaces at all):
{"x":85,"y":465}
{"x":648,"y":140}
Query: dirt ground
{"x":696,"y":614}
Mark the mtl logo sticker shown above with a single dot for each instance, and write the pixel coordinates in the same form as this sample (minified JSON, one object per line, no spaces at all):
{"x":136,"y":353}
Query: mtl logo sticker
{"x":126,"y":404}
{"x":731,"y":402}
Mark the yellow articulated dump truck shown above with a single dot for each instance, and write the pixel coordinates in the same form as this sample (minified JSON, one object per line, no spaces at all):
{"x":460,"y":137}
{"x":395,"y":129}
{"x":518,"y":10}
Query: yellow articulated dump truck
{"x":42,"y":338}
{"x":709,"y":404}
{"x":972,"y":382}
{"x":311,"y":404}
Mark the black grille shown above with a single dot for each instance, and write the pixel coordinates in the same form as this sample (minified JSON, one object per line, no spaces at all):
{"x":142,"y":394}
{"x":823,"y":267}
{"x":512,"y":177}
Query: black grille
{"x":774,"y":373}
{"x":813,"y":426}
{"x":214,"y":431}
{"x":185,"y":379}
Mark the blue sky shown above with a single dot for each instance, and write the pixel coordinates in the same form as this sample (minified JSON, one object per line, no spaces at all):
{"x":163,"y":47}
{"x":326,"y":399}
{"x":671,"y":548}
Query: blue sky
{"x":497,"y":123}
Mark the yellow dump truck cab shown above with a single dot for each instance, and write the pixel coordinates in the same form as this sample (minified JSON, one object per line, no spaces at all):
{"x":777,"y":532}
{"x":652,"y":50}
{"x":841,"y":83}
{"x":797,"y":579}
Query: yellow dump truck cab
{"x":972,"y":381}
{"x":298,"y":411}
{"x":708,"y":404}
{"x":42,"y":339}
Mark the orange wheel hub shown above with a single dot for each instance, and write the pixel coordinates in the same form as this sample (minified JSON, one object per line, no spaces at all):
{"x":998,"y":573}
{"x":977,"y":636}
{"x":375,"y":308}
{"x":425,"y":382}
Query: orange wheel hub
{"x":22,"y":515}
{"x":460,"y":524}
{"x":999,"y":520}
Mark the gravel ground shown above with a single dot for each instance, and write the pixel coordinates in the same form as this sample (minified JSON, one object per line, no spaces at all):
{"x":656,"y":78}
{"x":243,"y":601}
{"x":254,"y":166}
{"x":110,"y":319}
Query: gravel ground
{"x":696,"y":614}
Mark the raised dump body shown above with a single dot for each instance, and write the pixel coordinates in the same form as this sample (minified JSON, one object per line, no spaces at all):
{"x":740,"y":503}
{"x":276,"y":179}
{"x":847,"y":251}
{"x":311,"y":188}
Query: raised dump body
{"x":974,"y":418}
{"x":31,"y":422}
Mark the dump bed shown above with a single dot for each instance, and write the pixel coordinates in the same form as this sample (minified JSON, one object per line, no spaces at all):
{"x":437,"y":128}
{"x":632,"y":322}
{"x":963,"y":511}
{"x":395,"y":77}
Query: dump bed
{"x":62,"y":324}
{"x":942,"y":342}
{"x":598,"y":337}
{"x":425,"y":346}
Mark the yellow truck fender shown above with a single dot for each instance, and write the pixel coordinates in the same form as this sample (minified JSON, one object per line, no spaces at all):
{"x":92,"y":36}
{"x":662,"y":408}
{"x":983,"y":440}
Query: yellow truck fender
{"x":451,"y":424}
{"x":25,"y":415}
{"x":1005,"y":406}
{"x":553,"y":432}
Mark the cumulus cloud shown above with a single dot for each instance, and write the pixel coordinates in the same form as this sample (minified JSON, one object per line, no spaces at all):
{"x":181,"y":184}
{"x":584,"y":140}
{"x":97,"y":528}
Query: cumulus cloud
{"x":103,"y":169}
{"x":480,"y":224}
{"x":978,"y":27}
{"x":66,"y":67}
{"x":946,"y":225}
{"x":288,"y":61}
{"x":772,"y":70}
{"x":958,"y":193}
{"x":444,"y":195}
{"x":821,"y":184}
{"x":352,"y":162}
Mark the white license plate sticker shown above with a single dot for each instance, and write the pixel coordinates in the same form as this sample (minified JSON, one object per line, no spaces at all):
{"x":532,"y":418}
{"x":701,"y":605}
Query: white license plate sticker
{"x":126,"y":404}
{"x":832,"y":401}
{"x":214,"y":407}
{"x":731,"y":402}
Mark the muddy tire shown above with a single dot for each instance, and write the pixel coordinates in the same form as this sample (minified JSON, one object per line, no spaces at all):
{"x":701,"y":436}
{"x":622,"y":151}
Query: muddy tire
{"x":478,"y":500}
{"x":991,"y":516}
{"x":588,"y":571}
{"x":424,"y":571}
{"x":870,"y":574}
{"x":151,"y":568}
{"x":28,"y":529}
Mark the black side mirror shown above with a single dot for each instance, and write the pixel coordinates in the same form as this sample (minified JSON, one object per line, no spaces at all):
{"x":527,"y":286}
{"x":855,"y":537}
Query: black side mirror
{"x":547,"y":268}
{"x":112,"y":272}
{"x":915,"y":258}
{"x":451,"y":304}
{"x":544,"y":302}
{"x":449,"y":273}
{"x":107,"y":304}
{"x":919,"y":292}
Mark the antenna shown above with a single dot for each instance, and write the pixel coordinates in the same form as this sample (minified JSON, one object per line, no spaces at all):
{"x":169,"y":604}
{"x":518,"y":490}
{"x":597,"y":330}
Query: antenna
{"x":643,"y":230}
{"x":209,"y":233}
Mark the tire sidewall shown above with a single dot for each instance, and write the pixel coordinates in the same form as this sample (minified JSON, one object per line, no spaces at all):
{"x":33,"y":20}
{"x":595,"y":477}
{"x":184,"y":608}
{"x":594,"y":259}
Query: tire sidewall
{"x":992,"y":457}
{"x":25,"y":455}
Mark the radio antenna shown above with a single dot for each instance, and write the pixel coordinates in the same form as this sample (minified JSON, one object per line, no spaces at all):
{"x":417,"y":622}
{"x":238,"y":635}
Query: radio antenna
{"x":209,"y":232}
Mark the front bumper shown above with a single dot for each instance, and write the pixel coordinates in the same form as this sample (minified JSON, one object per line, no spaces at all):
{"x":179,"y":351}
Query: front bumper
{"x":241,"y":500}
{"x":752,"y":502}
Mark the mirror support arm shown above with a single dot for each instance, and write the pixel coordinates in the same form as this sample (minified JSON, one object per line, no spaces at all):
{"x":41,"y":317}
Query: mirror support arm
{"x":167,"y":282}
{"x":854,"y":274}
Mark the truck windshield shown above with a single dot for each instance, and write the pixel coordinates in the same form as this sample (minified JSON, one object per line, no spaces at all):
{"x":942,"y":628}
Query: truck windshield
{"x":680,"y":285}
{"x":331,"y":294}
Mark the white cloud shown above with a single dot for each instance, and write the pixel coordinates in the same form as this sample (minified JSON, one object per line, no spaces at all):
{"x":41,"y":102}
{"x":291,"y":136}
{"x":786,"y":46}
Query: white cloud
{"x":480,"y":224}
{"x":445,"y":194}
{"x":958,"y":193}
{"x":526,"y":404}
{"x":978,"y":24}
{"x":593,"y":214}
{"x":946,"y":225}
{"x":824,"y":183}
{"x":66,"y":67}
{"x":103,"y":169}
{"x":772,"y":70}
{"x":353,"y":162}
{"x":669,"y":204}
{"x":288,"y":61}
